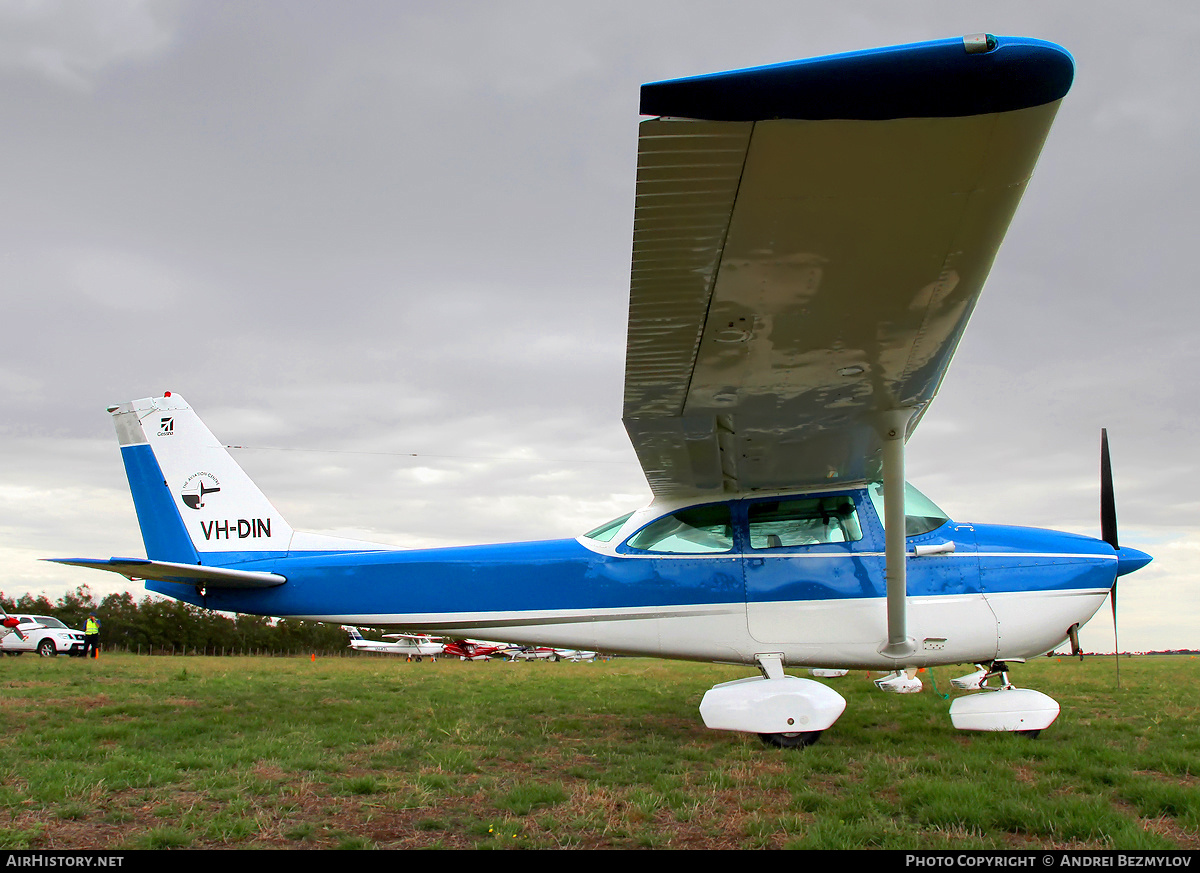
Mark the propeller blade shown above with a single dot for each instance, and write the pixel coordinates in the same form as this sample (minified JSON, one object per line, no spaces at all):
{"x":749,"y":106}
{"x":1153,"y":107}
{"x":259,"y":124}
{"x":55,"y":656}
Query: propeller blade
{"x":1108,"y":500}
{"x":1108,"y":531}
{"x":1116,"y":645}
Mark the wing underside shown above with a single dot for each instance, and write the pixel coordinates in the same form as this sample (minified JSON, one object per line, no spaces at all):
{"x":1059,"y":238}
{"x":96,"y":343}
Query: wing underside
{"x":796,"y":277}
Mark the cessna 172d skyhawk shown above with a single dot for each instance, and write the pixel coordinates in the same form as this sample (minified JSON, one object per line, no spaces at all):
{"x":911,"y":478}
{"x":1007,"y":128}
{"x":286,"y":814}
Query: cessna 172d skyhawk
{"x":810,"y":239}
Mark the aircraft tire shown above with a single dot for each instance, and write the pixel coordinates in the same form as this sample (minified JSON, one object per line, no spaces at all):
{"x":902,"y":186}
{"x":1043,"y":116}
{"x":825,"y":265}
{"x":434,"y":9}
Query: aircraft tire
{"x":791,"y":741}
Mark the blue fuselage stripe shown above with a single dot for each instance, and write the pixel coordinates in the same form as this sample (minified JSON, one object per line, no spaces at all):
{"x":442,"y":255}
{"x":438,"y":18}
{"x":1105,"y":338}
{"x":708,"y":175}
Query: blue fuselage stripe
{"x":563,"y":575}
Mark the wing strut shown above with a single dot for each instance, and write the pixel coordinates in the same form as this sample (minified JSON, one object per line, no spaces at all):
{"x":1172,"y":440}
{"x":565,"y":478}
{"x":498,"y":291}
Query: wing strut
{"x":893,"y":430}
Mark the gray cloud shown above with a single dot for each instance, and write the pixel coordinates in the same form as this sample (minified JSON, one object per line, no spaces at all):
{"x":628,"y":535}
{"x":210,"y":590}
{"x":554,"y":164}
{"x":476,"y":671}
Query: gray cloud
{"x":71,"y":44}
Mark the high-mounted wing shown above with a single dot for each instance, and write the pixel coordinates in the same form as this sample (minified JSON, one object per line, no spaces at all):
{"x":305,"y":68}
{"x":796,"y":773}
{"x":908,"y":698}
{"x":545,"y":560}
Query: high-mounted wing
{"x":809,"y":241}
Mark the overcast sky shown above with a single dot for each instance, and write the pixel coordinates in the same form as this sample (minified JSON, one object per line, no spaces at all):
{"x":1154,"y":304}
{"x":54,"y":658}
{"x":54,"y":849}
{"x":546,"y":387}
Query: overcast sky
{"x":350,"y":233}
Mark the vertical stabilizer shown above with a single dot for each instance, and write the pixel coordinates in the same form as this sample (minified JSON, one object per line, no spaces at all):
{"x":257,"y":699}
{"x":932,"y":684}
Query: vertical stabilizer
{"x":194,"y":503}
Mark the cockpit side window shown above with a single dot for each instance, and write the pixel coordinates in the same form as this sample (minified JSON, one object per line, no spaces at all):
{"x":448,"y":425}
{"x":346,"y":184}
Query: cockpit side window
{"x":921,"y":515}
{"x":803,"y":521}
{"x":696,"y":530}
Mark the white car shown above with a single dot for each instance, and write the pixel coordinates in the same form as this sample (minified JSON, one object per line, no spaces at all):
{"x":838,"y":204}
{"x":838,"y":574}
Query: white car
{"x":43,"y":634}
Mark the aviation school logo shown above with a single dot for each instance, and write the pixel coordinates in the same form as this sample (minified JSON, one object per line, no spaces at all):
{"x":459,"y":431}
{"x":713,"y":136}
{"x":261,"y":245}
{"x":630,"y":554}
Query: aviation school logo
{"x":166,"y":425}
{"x":196,"y":486}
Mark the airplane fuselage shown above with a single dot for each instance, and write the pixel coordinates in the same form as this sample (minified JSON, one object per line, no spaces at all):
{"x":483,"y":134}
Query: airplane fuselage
{"x":977,"y":593}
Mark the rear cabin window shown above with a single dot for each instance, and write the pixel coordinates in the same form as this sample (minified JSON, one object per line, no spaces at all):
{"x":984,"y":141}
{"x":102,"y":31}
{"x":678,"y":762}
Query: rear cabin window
{"x":697,"y":530}
{"x":803,"y":521}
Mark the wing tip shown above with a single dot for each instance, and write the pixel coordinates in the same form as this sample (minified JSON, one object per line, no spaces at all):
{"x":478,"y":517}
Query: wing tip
{"x":941,"y":78}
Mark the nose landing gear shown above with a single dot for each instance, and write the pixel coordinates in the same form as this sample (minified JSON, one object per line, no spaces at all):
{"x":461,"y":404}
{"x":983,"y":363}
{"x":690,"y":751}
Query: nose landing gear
{"x":1004,"y":707}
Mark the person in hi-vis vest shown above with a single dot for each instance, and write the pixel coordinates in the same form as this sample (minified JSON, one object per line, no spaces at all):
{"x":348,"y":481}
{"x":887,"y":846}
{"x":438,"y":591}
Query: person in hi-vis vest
{"x":91,"y":635}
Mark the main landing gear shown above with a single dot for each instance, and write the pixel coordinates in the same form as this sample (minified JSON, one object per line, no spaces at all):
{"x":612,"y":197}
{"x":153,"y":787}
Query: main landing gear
{"x":1002,"y":707}
{"x":785,"y":711}
{"x":791,"y":741}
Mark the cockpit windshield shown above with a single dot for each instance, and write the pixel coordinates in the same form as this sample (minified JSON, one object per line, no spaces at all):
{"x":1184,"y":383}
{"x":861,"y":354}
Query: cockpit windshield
{"x":608,"y":530}
{"x":695,"y":530}
{"x":921,"y":515}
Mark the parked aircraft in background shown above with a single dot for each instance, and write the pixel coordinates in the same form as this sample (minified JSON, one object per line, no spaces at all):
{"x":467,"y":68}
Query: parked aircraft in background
{"x":545,"y":653}
{"x":531,"y":653}
{"x":414,"y":646}
{"x":827,"y":673}
{"x":469,"y":650}
{"x":810,"y":239}
{"x":576,"y":655}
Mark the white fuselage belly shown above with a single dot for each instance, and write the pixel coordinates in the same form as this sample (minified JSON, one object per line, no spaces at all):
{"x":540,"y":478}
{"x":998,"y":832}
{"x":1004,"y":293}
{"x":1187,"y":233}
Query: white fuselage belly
{"x":848,"y":633}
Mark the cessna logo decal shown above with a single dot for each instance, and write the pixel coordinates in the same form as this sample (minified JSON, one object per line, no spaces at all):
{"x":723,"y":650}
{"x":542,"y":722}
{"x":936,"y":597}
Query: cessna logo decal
{"x":166,"y":426}
{"x":196,"y":487}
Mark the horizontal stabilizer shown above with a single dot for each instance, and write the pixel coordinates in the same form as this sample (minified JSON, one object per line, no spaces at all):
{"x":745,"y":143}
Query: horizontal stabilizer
{"x":188,"y":574}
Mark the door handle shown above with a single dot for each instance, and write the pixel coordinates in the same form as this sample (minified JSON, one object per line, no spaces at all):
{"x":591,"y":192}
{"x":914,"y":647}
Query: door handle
{"x":933,"y":549}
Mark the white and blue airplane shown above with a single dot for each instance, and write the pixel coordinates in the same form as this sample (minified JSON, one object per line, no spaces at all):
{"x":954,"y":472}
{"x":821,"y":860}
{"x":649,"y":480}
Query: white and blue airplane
{"x":810,"y":239}
{"x":411,"y":645}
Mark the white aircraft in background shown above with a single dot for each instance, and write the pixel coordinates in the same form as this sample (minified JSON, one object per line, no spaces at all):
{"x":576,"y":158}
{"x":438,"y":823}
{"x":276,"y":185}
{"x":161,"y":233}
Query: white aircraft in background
{"x":827,"y":673}
{"x":415,"y":646}
{"x":576,"y":655}
{"x":810,"y":239}
{"x":546,"y":653}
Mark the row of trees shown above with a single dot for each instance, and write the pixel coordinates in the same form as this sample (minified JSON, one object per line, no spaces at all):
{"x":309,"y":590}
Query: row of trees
{"x":152,"y":625}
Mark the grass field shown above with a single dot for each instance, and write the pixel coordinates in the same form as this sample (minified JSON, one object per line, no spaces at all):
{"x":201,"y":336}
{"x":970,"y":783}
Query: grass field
{"x":137,"y":752}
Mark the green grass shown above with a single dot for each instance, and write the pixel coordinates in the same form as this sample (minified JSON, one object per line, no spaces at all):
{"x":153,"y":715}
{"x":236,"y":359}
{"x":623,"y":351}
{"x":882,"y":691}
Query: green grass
{"x":136,"y":752}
